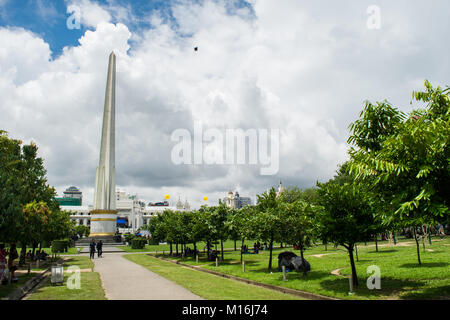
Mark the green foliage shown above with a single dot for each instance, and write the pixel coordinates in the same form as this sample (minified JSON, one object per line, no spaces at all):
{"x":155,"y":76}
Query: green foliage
{"x":60,"y":246}
{"x":82,"y":231}
{"x":27,"y":208}
{"x":411,"y":166}
{"x":138,"y":243}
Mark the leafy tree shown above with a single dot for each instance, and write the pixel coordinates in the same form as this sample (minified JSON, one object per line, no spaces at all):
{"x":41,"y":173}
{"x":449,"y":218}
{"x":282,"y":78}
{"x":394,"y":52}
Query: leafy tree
{"x":301,"y":217}
{"x":410,"y":164}
{"x":240,"y":224}
{"x":267,"y":223}
{"x":347,"y":216}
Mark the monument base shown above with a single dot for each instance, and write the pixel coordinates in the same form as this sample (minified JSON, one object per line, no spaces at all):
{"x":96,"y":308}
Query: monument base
{"x":107,"y":240}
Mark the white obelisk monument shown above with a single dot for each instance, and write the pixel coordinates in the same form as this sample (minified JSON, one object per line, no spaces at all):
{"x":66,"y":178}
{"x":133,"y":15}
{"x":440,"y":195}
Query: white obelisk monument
{"x":104,"y":215}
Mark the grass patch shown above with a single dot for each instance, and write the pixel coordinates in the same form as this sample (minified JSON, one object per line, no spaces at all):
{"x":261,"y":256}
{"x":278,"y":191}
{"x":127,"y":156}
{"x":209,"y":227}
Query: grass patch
{"x":82,"y":262}
{"x":401,"y":276}
{"x":91,"y":289}
{"x":7,"y":289}
{"x":229,"y":244}
{"x":205,"y":285}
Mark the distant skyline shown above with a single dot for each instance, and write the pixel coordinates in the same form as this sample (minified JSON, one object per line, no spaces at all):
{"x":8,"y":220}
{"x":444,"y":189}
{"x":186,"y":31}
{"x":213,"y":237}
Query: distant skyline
{"x":302,"y":67}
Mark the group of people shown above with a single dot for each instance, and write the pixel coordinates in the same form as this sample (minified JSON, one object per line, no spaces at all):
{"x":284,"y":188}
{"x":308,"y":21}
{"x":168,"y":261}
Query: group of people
{"x":257,"y":246}
{"x":7,"y":267}
{"x":39,"y":255}
{"x":98,"y":246}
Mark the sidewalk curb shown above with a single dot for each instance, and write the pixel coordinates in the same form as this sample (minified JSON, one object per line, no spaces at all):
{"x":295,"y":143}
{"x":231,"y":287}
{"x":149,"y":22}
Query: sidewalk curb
{"x":303,"y":294}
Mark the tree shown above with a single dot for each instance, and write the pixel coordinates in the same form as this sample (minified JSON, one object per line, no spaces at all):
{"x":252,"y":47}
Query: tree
{"x":410,"y":164}
{"x":267,"y":223}
{"x":347,"y":216}
{"x":10,"y":187}
{"x":240,"y":224}
{"x":22,"y":181}
{"x":301,"y":217}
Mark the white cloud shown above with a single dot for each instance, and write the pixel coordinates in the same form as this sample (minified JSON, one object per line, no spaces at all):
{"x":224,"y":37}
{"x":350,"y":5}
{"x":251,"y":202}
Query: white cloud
{"x":292,"y":66}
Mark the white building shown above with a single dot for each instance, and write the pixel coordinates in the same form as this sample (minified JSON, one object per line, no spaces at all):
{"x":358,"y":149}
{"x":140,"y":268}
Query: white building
{"x":235,"y":201}
{"x":132,"y":213}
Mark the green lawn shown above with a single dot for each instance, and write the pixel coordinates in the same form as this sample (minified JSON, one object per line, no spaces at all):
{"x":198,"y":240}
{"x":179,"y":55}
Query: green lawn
{"x":82,"y":262}
{"x":229,"y":244}
{"x":7,"y":289}
{"x":207,"y":286}
{"x":401,"y":276}
{"x":91,"y":289}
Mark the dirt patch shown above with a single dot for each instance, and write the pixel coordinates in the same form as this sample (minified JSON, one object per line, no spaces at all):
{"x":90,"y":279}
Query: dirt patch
{"x":337,"y":272}
{"x":322,"y":254}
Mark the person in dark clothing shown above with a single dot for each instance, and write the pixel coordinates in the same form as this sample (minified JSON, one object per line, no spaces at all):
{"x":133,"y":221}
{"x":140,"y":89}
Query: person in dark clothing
{"x":99,"y":248}
{"x":92,"y":249}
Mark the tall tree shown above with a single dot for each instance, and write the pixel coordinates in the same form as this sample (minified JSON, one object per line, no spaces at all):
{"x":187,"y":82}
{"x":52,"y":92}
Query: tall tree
{"x":411,"y":164}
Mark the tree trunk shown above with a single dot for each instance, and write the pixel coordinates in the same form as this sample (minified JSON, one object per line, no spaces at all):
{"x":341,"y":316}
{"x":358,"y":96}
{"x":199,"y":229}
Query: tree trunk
{"x":417,"y":245}
{"x":171,"y":250}
{"x":195,"y":250}
{"x":376,"y":243}
{"x":352,"y":262}
{"x":281,"y":245}
{"x":235,"y":245}
{"x":270,"y":258}
{"x":301,"y":255}
{"x":22,"y":255}
{"x":176,"y":249}
{"x":242,"y":249}
{"x":221,"y":248}
{"x":208,"y":246}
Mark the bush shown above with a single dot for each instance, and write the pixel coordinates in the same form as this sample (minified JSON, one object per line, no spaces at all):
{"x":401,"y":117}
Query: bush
{"x":60,"y":246}
{"x":129,"y":237}
{"x":138,"y":243}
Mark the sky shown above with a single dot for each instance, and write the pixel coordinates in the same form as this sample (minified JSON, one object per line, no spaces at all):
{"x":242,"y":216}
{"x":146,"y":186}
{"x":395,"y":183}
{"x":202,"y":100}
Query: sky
{"x":304,"y":68}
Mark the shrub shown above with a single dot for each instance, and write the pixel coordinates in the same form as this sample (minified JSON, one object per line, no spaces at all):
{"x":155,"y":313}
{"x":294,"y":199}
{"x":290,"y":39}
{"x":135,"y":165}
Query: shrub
{"x":60,"y":246}
{"x":138,"y":243}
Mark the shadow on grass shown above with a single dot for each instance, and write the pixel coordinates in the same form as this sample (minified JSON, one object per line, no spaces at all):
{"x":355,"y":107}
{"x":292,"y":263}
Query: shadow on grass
{"x":389,"y":287}
{"x":425,"y":265}
{"x":311,"y":275}
{"x":383,"y":251}
{"x":437,"y":293}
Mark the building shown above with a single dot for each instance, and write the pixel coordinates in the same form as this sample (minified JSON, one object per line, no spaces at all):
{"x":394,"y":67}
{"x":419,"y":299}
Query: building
{"x":280,"y":189}
{"x":71,"y":197}
{"x":235,"y":201}
{"x":132,"y":213}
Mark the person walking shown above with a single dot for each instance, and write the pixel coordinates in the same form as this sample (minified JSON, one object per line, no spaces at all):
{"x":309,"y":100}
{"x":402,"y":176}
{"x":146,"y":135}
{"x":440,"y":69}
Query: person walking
{"x":99,"y":249}
{"x":92,"y":249}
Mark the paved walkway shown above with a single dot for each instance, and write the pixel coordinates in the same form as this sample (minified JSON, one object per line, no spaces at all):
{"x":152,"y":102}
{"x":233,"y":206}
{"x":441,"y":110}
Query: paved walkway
{"x":126,"y":280}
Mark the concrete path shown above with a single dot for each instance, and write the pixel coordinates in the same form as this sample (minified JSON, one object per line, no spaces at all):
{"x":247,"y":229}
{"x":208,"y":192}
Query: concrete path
{"x":126,"y":280}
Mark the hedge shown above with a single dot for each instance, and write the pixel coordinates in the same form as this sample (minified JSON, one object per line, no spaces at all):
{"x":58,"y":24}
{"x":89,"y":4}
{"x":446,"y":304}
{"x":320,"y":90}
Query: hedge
{"x":138,"y":243}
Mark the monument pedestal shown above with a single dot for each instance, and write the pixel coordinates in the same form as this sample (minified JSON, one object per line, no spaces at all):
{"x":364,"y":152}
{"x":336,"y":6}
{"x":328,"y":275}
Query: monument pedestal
{"x":103,"y":224}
